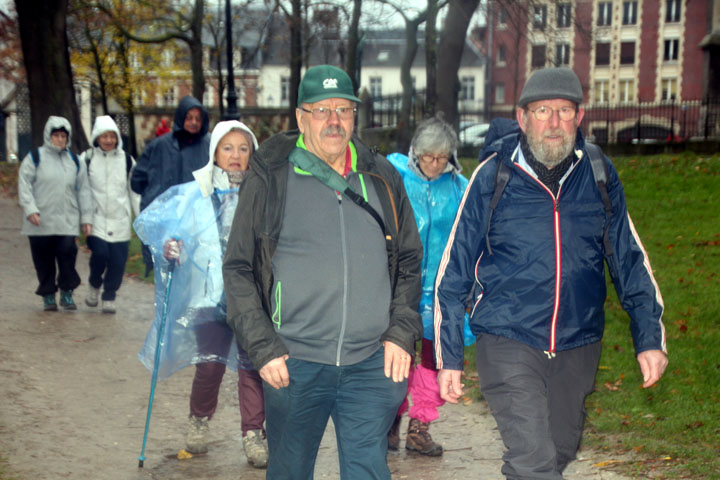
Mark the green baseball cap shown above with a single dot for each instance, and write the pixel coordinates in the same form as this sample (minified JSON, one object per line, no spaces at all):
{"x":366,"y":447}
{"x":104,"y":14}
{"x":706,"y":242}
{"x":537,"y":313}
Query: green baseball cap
{"x":325,"y":81}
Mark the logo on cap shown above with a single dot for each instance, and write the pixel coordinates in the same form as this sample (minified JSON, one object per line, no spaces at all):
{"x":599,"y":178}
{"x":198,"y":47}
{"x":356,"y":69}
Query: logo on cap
{"x":330,"y":83}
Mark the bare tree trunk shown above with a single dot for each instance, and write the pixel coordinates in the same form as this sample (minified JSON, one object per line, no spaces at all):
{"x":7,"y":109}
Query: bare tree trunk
{"x":411,"y":46}
{"x":351,"y":65}
{"x":196,"y":50}
{"x":431,"y":58}
{"x":452,"y":42}
{"x":296,"y":26}
{"x":46,"y":56}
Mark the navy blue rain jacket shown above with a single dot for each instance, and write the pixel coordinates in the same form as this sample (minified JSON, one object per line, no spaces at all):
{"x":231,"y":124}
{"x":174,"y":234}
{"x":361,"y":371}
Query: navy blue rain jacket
{"x":170,"y":159}
{"x":544,"y":285}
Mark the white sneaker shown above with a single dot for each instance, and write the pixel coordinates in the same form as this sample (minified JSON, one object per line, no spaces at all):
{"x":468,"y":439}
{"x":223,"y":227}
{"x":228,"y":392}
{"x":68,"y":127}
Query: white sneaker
{"x":92,"y":297}
{"x":108,"y":306}
{"x":196,"y":440}
{"x":256,"y":449}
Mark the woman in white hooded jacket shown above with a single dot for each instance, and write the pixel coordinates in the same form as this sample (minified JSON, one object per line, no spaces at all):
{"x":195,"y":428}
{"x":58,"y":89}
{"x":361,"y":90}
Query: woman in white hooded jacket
{"x":114,"y":202}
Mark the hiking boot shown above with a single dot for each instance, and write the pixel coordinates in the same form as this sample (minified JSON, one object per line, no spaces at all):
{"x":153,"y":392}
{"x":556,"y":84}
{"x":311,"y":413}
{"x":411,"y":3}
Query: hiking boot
{"x":108,"y":306}
{"x":394,"y":434}
{"x":66,"y":300}
{"x":92,"y":297}
{"x":255,"y":448}
{"x":49,"y":304}
{"x":419,"y":440}
{"x":196,"y":440}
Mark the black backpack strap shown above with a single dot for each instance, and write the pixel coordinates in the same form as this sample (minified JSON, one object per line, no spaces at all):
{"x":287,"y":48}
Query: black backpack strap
{"x":128,"y":164}
{"x":502,"y":177}
{"x":88,"y":156}
{"x":600,"y":172}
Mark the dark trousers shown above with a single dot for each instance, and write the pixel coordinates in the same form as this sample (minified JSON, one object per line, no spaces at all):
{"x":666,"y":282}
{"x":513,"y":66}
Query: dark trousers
{"x":107,"y":258}
{"x":362,"y":403}
{"x":47,"y":250}
{"x":206,"y":387}
{"x":538,"y":402}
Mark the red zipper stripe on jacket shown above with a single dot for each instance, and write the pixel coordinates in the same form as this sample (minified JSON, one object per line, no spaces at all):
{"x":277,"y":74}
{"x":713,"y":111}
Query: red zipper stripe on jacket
{"x":558,"y":263}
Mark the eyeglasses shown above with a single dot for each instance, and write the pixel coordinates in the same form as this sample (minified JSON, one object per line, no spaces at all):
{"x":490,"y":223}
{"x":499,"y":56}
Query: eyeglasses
{"x":544,"y":113}
{"x":427,"y":158}
{"x":323,"y":113}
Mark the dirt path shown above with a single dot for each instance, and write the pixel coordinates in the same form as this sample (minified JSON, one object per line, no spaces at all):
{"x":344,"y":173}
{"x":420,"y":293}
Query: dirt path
{"x":74,"y":397}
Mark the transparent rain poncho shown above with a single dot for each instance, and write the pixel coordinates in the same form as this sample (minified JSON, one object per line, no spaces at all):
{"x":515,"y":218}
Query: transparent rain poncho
{"x":435,"y":204}
{"x":195,"y":327}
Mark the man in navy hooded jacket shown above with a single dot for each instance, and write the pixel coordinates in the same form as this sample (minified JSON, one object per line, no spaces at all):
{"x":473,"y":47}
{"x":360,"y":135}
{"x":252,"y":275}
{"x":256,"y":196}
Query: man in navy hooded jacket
{"x":536,"y":267}
{"x":170,"y":159}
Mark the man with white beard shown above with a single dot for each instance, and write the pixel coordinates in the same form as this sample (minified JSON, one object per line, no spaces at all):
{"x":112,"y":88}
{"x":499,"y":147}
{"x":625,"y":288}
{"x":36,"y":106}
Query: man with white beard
{"x":529,"y":243}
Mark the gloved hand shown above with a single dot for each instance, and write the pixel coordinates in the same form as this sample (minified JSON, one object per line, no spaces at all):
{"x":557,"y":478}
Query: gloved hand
{"x":171,"y":250}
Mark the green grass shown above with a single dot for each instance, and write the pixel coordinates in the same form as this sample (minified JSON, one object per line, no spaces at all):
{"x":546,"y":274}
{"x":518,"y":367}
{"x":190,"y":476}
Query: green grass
{"x":672,"y":429}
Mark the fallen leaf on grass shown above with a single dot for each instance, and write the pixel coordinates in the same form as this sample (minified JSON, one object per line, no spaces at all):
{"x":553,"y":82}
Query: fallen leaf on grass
{"x":606,"y":463}
{"x":184,"y":454}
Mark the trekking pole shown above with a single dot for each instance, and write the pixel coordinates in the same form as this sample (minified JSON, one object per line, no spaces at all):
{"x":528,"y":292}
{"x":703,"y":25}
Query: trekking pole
{"x":158,"y":346}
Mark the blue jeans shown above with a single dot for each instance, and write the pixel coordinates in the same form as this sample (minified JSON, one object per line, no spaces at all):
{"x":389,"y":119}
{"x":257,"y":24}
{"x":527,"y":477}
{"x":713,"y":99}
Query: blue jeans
{"x":107,"y":258}
{"x":362,"y":403}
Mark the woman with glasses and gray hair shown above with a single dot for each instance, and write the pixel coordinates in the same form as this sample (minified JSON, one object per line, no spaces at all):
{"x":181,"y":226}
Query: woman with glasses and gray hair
{"x":434,"y":184}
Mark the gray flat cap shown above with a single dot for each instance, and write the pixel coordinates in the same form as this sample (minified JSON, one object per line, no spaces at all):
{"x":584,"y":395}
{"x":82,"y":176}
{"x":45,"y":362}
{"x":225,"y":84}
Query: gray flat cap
{"x":550,"y":83}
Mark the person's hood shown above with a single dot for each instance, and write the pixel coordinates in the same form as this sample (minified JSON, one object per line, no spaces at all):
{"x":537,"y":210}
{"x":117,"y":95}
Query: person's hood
{"x":56,"y":123}
{"x":186,"y":104}
{"x":105,"y":123}
{"x":204,"y":175}
{"x":453,"y":166}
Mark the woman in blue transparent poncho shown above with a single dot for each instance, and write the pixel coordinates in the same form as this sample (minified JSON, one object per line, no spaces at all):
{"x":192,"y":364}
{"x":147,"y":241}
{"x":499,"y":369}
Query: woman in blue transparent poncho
{"x":189,"y":224}
{"x":431,"y":174}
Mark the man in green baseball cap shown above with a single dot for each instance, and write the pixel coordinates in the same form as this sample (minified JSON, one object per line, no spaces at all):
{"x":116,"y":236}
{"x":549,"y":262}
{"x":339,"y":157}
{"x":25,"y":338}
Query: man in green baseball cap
{"x":322,"y":278}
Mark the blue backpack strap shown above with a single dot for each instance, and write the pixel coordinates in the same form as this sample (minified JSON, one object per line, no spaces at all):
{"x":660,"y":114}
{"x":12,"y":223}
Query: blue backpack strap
{"x":502,"y":177}
{"x":35,"y":155}
{"x":600,"y":172}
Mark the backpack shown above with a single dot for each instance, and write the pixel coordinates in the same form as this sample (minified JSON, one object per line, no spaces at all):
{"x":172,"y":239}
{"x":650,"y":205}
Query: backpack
{"x":35,"y":154}
{"x":502,"y":177}
{"x":128,"y":160}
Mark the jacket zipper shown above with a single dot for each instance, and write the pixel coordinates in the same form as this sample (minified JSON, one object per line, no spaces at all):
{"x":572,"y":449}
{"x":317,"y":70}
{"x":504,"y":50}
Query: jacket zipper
{"x":343,"y":247}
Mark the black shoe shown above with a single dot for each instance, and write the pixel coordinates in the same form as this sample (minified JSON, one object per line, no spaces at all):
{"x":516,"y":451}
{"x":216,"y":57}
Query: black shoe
{"x":66,"y":300}
{"x":394,"y":434}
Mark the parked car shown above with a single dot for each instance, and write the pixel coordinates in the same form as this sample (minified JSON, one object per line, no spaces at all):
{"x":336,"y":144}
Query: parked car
{"x":473,"y":135}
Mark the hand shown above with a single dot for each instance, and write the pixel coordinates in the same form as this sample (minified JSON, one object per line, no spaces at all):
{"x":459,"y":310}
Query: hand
{"x":275,"y":372}
{"x":397,"y":362}
{"x":450,"y":387}
{"x":87,"y":229}
{"x":171,"y":250}
{"x":652,"y":365}
{"x":34,"y":218}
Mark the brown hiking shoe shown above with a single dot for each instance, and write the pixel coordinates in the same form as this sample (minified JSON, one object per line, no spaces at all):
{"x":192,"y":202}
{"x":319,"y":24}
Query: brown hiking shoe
{"x":419,"y":440}
{"x":394,"y":434}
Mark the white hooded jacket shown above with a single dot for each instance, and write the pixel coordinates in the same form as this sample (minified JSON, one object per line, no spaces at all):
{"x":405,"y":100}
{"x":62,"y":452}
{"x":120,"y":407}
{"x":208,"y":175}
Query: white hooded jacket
{"x":57,"y":189}
{"x":113,"y":200}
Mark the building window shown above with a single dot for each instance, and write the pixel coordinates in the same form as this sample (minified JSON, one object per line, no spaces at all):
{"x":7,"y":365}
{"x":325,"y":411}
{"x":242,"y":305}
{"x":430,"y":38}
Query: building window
{"x":630,"y":13}
{"x":169,"y":97}
{"x":500,"y":93}
{"x":167,"y":58}
{"x":502,"y":16}
{"x":562,"y":54}
{"x":501,"y":53}
{"x":669,"y":88}
{"x":602,"y":91}
{"x":467,"y":88}
{"x":540,"y":17}
{"x":627,"y":53}
{"x":284,"y":90}
{"x":563,"y":15}
{"x":627,"y":91}
{"x":208,"y":96}
{"x":538,"y":56}
{"x":604,"y":18}
{"x":602,"y":53}
{"x":672,"y":11}
{"x":671,"y":50}
{"x":376,"y":87}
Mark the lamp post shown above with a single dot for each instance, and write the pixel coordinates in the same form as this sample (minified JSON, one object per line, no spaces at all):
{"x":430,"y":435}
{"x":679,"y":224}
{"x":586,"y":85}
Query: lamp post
{"x":231,"y":113}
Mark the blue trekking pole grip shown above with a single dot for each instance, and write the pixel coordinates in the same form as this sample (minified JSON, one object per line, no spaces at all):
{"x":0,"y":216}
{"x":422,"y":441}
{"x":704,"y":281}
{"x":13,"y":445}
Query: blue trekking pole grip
{"x":158,"y":346}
